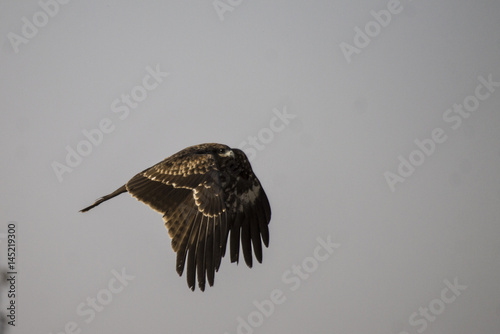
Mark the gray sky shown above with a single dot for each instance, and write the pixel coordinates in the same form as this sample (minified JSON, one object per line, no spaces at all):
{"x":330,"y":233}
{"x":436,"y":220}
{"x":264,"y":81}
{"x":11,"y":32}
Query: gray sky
{"x":373,"y":127}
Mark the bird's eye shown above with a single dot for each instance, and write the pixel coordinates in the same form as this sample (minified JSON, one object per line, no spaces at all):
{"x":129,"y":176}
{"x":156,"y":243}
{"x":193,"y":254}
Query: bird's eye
{"x":225,"y":152}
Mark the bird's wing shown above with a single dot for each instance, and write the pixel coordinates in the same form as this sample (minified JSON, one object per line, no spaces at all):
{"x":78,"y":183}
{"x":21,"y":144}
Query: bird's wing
{"x":249,"y":212}
{"x":187,"y":191}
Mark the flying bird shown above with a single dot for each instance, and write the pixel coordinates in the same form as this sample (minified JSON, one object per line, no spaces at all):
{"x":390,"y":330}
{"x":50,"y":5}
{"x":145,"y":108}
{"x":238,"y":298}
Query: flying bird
{"x":208,"y":195}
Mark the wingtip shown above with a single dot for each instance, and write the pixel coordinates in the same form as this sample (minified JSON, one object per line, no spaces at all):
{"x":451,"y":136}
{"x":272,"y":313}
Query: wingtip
{"x":86,"y":209}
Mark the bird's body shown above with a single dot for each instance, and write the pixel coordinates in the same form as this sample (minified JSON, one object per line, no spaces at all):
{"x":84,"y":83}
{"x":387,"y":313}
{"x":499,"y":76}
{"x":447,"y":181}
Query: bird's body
{"x":207,"y":194}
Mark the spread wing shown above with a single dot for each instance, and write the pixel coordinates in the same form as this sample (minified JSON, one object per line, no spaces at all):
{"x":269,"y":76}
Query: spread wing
{"x":249,"y":211}
{"x":187,"y":191}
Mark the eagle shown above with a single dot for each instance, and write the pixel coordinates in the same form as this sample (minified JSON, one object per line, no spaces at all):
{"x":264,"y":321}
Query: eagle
{"x":208,"y":195}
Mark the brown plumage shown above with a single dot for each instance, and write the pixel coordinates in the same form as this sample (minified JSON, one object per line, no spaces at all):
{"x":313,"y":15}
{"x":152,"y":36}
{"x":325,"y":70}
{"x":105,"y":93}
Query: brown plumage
{"x":207,"y":194}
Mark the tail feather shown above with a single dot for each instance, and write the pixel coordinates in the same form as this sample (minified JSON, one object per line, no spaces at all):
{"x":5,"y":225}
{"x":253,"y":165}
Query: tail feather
{"x":117,"y":192}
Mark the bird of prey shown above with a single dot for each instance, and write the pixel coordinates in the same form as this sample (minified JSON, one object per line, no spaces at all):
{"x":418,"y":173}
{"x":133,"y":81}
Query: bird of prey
{"x":208,"y":195}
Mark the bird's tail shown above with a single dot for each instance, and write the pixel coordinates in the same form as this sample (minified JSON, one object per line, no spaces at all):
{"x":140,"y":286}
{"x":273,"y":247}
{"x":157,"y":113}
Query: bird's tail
{"x":117,"y":192}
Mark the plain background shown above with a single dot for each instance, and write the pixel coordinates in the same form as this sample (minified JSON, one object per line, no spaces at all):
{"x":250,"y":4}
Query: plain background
{"x":324,"y":172}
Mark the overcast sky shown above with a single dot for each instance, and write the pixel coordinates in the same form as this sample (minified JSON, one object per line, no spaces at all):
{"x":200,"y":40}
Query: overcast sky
{"x":372,"y":125}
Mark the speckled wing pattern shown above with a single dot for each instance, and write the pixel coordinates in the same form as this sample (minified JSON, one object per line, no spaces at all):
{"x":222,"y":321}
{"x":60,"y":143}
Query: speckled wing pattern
{"x":203,"y":200}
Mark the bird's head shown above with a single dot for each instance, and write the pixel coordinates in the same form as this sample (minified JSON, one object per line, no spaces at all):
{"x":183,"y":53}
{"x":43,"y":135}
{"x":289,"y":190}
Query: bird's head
{"x":231,"y":161}
{"x":220,"y":150}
